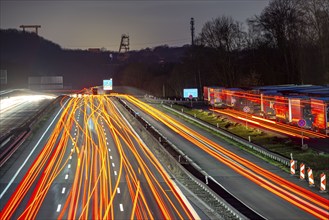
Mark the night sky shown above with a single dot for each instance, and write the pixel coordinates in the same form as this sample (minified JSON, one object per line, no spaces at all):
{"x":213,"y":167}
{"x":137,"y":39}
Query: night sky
{"x":96,"y":24}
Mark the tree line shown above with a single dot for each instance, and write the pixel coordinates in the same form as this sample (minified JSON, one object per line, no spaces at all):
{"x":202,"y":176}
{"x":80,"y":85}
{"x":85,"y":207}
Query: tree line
{"x":287,"y":43}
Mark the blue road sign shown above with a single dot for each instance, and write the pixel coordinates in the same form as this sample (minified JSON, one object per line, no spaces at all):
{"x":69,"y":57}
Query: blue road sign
{"x":301,"y":123}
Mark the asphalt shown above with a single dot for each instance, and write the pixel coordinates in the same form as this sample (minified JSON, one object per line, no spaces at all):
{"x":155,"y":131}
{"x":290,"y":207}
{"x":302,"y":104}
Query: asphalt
{"x":18,"y":114}
{"x":256,"y":197}
{"x":58,"y":193}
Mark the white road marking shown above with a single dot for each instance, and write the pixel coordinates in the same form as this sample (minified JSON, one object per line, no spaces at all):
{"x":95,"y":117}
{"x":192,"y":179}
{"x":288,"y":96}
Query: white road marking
{"x":115,"y":173}
{"x":63,"y":190}
{"x":109,"y":149}
{"x":111,"y":157}
{"x":121,"y":207}
{"x":69,"y":166}
{"x":113,"y":165}
{"x":31,"y":152}
{"x":73,"y":143}
{"x":118,"y":190}
{"x":59,"y":208}
{"x":75,"y":133}
{"x":66,"y":176}
{"x":107,"y":143}
{"x":70,"y":157}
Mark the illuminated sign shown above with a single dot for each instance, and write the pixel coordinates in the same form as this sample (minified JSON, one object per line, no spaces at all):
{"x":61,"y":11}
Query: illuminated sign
{"x":107,"y":84}
{"x":190,"y":93}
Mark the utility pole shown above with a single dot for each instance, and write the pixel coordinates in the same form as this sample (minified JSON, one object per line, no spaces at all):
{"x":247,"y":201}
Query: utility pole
{"x":192,"y":31}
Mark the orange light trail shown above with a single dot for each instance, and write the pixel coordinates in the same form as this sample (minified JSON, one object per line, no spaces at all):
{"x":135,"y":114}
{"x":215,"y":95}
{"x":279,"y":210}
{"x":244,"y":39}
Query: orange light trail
{"x":93,"y":191}
{"x":275,"y":126}
{"x":296,"y":195}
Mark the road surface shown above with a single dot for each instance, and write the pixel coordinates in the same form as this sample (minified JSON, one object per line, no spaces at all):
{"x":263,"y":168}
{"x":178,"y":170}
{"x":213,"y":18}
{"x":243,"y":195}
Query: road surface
{"x":261,"y":186}
{"x":93,"y":166}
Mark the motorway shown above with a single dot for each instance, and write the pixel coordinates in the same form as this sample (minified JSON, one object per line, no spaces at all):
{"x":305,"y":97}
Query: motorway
{"x":14,"y":110}
{"x":264,"y":188}
{"x":90,"y":164}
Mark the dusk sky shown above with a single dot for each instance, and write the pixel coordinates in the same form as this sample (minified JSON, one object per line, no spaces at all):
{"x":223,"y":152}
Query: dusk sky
{"x":96,"y":24}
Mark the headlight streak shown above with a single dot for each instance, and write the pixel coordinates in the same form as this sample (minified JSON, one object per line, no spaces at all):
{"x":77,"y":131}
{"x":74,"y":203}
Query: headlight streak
{"x":91,"y":176}
{"x":262,"y":177}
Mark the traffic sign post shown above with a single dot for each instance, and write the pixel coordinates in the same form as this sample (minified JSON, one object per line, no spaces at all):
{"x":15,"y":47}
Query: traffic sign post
{"x":191,"y":98}
{"x":212,"y":102}
{"x":246,"y":109}
{"x":301,"y":123}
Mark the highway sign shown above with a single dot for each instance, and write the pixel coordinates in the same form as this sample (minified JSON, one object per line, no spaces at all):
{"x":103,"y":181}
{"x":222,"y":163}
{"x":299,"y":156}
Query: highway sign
{"x":301,"y":123}
{"x":188,"y":92}
{"x":107,"y":84}
{"x":246,"y":109}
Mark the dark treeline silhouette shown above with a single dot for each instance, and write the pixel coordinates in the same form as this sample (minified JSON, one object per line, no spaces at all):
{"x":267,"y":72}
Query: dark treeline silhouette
{"x":287,"y":43}
{"x":25,"y":54}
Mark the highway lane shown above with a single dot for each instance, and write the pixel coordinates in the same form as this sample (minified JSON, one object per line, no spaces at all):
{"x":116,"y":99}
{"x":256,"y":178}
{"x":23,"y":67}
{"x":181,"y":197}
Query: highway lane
{"x":95,"y":166}
{"x":14,"y":111}
{"x":264,"y":192}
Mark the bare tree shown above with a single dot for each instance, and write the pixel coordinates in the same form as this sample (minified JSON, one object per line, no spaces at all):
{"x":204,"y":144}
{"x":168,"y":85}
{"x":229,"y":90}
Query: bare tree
{"x":223,"y":33}
{"x":317,"y":20}
{"x":282,"y":24}
{"x":225,"y":36}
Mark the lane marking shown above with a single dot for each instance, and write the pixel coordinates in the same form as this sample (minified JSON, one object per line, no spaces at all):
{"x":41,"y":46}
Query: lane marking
{"x":115,"y":173}
{"x":32,"y":151}
{"x":121,"y":207}
{"x":70,"y":157}
{"x":59,"y":208}
{"x":109,"y":149}
{"x":113,"y":165}
{"x":111,"y":157}
{"x":66,"y":176}
{"x":107,"y":143}
{"x":63,"y":190}
{"x":118,"y":190}
{"x":69,"y":166}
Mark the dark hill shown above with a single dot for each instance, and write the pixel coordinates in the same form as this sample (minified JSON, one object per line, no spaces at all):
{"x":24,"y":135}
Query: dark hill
{"x":25,"y":54}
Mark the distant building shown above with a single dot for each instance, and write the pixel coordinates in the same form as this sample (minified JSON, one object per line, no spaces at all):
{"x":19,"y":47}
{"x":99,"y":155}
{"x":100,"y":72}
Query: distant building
{"x":94,"y":50}
{"x":45,"y":82}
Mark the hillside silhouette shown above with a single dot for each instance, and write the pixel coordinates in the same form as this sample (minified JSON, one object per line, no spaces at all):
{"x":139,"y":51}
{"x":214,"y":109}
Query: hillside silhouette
{"x":25,"y":54}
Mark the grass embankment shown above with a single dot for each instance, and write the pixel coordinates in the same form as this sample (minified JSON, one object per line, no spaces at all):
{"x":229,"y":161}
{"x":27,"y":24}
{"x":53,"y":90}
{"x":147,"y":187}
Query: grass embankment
{"x":319,"y":162}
